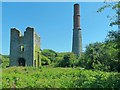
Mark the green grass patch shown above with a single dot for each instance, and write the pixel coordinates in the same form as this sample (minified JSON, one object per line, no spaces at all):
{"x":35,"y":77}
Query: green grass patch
{"x":31,"y":77}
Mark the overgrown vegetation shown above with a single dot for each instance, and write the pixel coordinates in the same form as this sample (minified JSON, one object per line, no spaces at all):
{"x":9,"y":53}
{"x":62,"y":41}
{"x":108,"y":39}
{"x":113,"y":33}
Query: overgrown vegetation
{"x":98,"y":67}
{"x":31,"y":77}
{"x":4,"y":61}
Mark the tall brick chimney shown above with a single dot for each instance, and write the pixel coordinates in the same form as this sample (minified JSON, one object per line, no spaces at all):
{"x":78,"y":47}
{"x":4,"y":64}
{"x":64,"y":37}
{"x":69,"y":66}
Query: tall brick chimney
{"x":77,"y":37}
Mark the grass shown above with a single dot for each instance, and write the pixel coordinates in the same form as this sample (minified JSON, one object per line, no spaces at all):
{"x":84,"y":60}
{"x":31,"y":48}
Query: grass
{"x":48,"y":77}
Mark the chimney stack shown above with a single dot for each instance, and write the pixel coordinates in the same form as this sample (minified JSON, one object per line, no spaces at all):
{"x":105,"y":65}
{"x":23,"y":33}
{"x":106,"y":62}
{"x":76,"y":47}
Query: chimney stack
{"x":77,"y":37}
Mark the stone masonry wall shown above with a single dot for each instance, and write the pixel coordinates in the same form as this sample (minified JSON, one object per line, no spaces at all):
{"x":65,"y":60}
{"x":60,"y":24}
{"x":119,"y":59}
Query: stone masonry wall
{"x":25,"y":47}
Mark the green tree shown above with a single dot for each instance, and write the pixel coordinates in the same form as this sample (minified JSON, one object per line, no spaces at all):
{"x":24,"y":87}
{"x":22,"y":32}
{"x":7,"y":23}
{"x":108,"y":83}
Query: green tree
{"x":113,"y":6}
{"x":101,"y":56}
{"x":115,"y":20}
{"x":45,"y":60}
{"x":113,"y":41}
{"x":50,"y":54}
{"x":69,"y":60}
{"x":92,"y":54}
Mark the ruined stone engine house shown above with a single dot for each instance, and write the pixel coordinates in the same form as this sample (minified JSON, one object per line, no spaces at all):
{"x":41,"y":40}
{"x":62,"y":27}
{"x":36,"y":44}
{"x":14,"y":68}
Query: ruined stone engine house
{"x":24,"y":49}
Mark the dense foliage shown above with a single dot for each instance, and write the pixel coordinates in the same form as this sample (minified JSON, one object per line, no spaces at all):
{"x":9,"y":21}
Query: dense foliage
{"x":4,"y":61}
{"x":68,"y":60}
{"x":114,"y":36}
{"x":103,"y":55}
{"x":31,"y":77}
{"x":50,"y":54}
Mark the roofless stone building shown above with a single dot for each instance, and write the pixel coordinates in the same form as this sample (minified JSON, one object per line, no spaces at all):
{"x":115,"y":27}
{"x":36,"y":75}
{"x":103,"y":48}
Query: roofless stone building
{"x":24,"y":49}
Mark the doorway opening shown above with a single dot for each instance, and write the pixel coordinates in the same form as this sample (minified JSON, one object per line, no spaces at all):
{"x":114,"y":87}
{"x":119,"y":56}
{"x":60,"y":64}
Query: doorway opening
{"x":21,"y":62}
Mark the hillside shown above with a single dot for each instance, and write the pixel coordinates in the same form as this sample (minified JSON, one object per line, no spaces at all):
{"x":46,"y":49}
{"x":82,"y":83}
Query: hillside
{"x":48,"y":77}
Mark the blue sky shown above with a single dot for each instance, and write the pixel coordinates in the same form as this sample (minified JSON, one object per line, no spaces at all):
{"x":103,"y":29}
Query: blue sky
{"x":53,"y":21}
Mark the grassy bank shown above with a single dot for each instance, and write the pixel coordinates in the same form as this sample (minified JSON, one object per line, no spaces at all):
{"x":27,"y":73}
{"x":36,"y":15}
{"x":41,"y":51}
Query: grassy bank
{"x":31,"y":77}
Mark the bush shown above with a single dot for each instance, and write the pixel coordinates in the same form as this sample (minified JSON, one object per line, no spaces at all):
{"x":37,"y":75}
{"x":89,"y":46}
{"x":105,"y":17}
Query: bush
{"x":4,"y":61}
{"x":69,"y":60}
{"x":45,"y":60}
{"x":50,"y":54}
